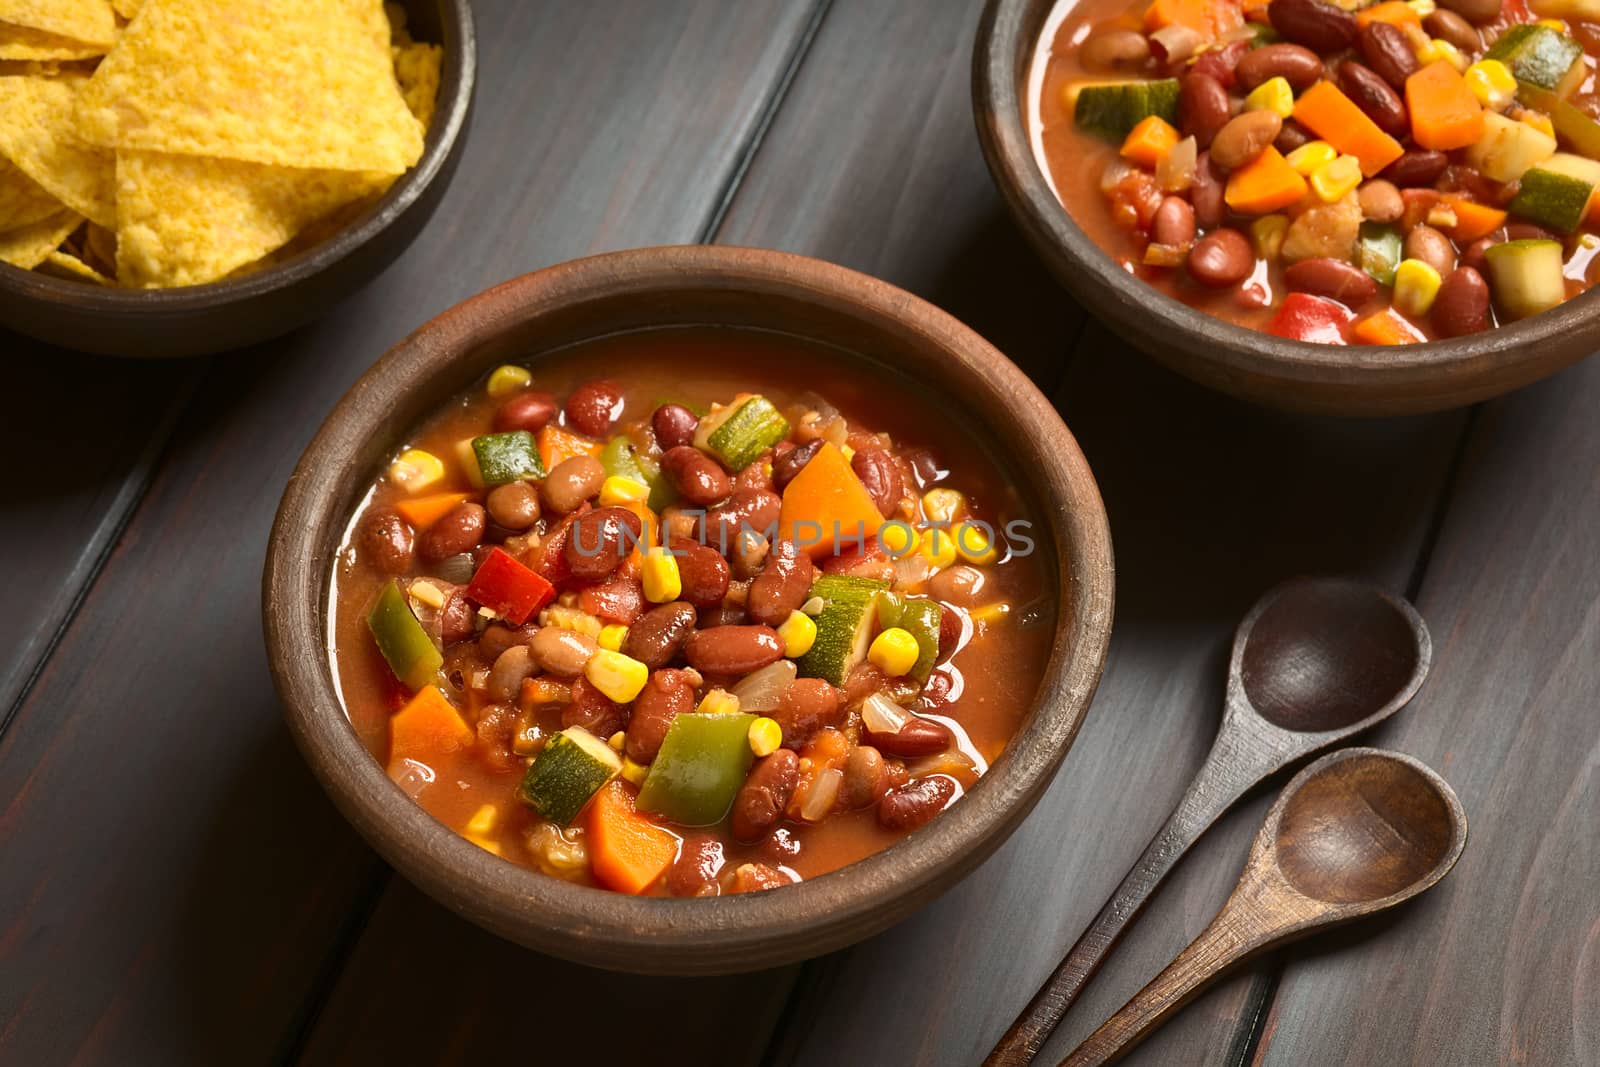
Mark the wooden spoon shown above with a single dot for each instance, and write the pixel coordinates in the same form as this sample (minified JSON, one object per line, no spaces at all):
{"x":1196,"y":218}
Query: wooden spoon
{"x":1316,"y":661}
{"x":1358,"y":831}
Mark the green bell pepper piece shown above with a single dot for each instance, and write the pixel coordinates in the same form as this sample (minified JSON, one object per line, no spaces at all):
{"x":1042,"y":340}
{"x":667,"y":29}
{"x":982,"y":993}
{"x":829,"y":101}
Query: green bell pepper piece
{"x":702,"y":763}
{"x":410,"y":652}
{"x":621,"y":459}
{"x":507,"y":457}
{"x":1379,"y":251}
{"x":920,"y":618}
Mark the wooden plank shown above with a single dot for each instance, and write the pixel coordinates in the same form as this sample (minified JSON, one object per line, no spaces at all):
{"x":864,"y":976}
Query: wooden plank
{"x":176,"y":888}
{"x":1500,"y":963}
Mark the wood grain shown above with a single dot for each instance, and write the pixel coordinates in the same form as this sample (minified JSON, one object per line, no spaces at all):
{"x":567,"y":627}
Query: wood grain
{"x":175,"y":887}
{"x":1502,"y":963}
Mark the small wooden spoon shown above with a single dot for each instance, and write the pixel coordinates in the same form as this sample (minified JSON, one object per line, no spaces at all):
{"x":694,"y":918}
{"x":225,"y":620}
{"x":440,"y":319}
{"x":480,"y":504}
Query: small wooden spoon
{"x":1358,"y":831}
{"x":1316,"y":661}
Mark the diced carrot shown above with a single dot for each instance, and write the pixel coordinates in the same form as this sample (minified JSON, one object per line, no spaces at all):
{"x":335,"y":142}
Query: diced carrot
{"x":1444,"y":112}
{"x":1387,"y":327}
{"x":1264,"y":185}
{"x":1209,"y":18}
{"x":557,"y":444}
{"x":425,"y":729}
{"x":1149,"y":142}
{"x":1472,"y":220}
{"x":627,"y":852}
{"x":423,"y":511}
{"x":1331,"y":115}
{"x":826,"y":508}
{"x":1394,"y":12}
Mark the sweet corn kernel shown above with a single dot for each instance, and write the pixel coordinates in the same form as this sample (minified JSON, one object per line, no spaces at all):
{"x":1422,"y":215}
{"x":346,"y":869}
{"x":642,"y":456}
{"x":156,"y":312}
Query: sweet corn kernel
{"x":897,"y":538}
{"x":798,"y":633}
{"x":612,"y":637}
{"x":1437,"y":49}
{"x":1266,"y":235}
{"x":847,"y":452}
{"x":619,"y":677}
{"x":938,"y":547}
{"x":1423,"y":8}
{"x":1332,"y":181}
{"x":659,"y":573}
{"x":616,"y":491}
{"x":468,"y":459}
{"x":1553,"y":24}
{"x":507,"y":380}
{"x":1539,"y":121}
{"x":634,"y":772}
{"x":990,"y":613}
{"x":1415,"y":286}
{"x":491,"y":847}
{"x":1310,"y":157}
{"x":1492,"y":83}
{"x":894,"y":652}
{"x":941,"y":505}
{"x":765,"y":736}
{"x":1272,"y":95}
{"x":414,"y":470}
{"x":974,"y":544}
{"x":482,"y":821}
{"x":617,"y":740}
{"x":718,"y":702}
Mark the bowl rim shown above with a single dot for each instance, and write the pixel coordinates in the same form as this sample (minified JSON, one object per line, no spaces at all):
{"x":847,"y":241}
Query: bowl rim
{"x":459,"y":76}
{"x":1479,"y":365}
{"x":722,"y":934}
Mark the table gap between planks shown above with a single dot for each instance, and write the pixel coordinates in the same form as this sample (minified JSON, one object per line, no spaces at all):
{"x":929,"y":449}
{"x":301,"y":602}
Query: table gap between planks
{"x":210,"y":900}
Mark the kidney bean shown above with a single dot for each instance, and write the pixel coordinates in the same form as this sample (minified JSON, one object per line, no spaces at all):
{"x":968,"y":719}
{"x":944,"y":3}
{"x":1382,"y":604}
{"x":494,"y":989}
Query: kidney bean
{"x":1173,"y":226}
{"x":619,"y":599}
{"x":1334,"y":278}
{"x":722,"y":615}
{"x":1462,"y":306}
{"x":919,"y":737}
{"x":862,"y":681}
{"x":510,"y":668}
{"x":1292,"y":136}
{"x":1202,"y":107}
{"x":1300,"y":67}
{"x":1319,"y":26}
{"x":1380,"y":201}
{"x":699,"y":479}
{"x":702,"y":572}
{"x":1245,"y":137}
{"x":759,"y":804}
{"x":514,"y":505}
{"x":664,"y":697}
{"x":526,"y":411}
{"x":1527,"y":231}
{"x":1475,"y":11}
{"x":1109,"y":51}
{"x":387,"y":540}
{"x":758,"y":475}
{"x":790,"y":463}
{"x":458,"y":530}
{"x":748,"y":509}
{"x":1449,"y":26}
{"x":657,"y":635}
{"x":1432,"y":247}
{"x":806,"y":706}
{"x":1221,"y":258}
{"x":1206,"y":193}
{"x":592,"y":710}
{"x":1373,"y":95}
{"x":1475,"y":254}
{"x":782,"y":586}
{"x":1418,"y":167}
{"x":1388,"y":52}
{"x":733,"y":649}
{"x":458,"y":619}
{"x":754,"y":877}
{"x":880,"y":474}
{"x":1221,"y":63}
{"x":497,"y":637}
{"x":563,"y":652}
{"x":906,"y":807}
{"x":865,"y":778}
{"x":694,"y":873}
{"x":593,"y":407}
{"x":953,"y":628}
{"x":674,"y":426}
{"x":600,"y":539}
{"x":572,"y":482}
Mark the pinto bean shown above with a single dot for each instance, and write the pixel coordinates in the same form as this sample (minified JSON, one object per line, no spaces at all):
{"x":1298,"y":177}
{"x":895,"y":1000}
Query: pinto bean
{"x":1449,"y":26}
{"x":1172,"y":226}
{"x":458,"y":530}
{"x":791,"y":462}
{"x":600,"y":539}
{"x":908,"y":806}
{"x":919,"y":737}
{"x":806,"y":706}
{"x":698,"y":478}
{"x":1431,"y":247}
{"x":593,"y":407}
{"x":1418,"y":167}
{"x":1319,"y":26}
{"x":674,"y":426}
{"x":1244,"y":138}
{"x":702,"y":572}
{"x":733,"y":649}
{"x":754,"y":877}
{"x":1373,"y":96}
{"x":1203,"y":107}
{"x":760,"y":802}
{"x":1380,"y":201}
{"x":1462,"y":306}
{"x":510,"y":668}
{"x":1475,"y":11}
{"x":1300,"y":67}
{"x":659,"y":634}
{"x":865,"y":778}
{"x":961,"y":585}
{"x":1350,"y":285}
{"x":782,"y":586}
{"x":748,"y":509}
{"x":497,"y":637}
{"x":1221,"y":258}
{"x":664,"y":697}
{"x":592,"y":710}
{"x":572,"y":482}
{"x":563,"y":652}
{"x":387,"y":540}
{"x":694,"y":874}
{"x":529,"y":411}
{"x":458,"y":619}
{"x":880,"y":475}
{"x":1110,"y":51}
{"x":514,"y":505}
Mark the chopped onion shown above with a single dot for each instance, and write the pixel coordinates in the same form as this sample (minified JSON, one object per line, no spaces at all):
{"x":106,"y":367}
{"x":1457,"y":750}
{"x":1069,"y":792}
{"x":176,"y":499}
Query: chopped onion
{"x":1113,"y":175}
{"x":759,"y":692}
{"x":1175,"y":43}
{"x":456,"y":570}
{"x":952,"y":762}
{"x":1176,"y":171}
{"x":821,"y":796}
{"x":881,"y":715}
{"x":910,"y":570}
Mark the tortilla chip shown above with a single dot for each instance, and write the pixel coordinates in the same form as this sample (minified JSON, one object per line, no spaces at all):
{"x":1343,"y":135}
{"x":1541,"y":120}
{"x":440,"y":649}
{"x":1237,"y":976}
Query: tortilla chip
{"x":298,"y":83}
{"x":22,"y":43}
{"x":22,"y":200}
{"x":59,"y":264}
{"x":187,"y":220}
{"x":84,"y":21}
{"x":37,"y":134}
{"x":127,"y":8}
{"x":100,"y":249}
{"x":416,"y":68}
{"x":29,"y":246}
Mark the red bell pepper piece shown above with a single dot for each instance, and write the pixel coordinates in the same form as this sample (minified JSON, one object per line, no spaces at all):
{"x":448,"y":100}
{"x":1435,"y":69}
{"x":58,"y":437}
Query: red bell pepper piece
{"x":507,"y":587}
{"x":1303,"y":317}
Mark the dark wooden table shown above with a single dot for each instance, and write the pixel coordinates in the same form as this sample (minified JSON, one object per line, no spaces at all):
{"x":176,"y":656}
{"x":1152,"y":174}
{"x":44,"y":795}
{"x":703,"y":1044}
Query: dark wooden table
{"x":174,"y":888}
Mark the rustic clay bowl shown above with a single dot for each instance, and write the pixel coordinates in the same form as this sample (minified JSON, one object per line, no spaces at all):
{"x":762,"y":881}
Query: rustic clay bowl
{"x":202,"y":319}
{"x":603,"y":295}
{"x":1334,"y":379}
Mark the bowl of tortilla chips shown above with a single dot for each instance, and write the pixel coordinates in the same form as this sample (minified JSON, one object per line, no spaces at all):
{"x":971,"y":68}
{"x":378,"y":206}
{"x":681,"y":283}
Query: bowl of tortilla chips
{"x":182,"y":177}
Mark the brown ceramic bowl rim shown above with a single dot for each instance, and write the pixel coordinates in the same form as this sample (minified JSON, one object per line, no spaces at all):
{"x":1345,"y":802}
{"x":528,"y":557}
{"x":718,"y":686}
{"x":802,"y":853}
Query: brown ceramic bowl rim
{"x":1478,"y":366}
{"x":698,"y":935}
{"x":450,"y":117}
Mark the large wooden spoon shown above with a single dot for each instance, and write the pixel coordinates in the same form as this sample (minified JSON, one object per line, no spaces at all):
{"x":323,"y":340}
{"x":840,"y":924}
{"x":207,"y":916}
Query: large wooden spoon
{"x":1316,"y":661}
{"x":1358,"y":831}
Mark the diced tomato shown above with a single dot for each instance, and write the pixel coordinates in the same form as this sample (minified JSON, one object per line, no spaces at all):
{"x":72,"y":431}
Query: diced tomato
{"x":1311,"y":318}
{"x":507,"y":587}
{"x":1134,"y":201}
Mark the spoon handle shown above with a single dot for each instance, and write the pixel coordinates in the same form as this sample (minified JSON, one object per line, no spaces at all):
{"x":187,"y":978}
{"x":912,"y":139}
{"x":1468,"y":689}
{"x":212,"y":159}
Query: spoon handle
{"x":1223,"y":778}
